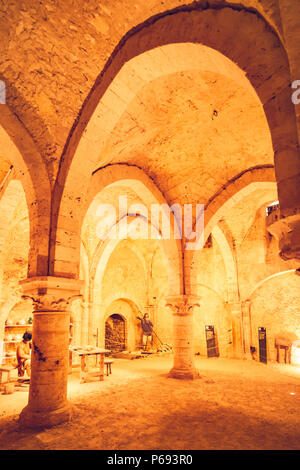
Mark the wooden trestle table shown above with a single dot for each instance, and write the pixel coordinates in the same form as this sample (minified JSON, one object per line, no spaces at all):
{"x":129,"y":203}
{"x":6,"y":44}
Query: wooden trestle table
{"x":87,"y":351}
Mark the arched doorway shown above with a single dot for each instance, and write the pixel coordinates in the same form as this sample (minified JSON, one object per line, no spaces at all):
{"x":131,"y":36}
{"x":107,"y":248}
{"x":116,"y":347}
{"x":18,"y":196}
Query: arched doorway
{"x":120,"y":310}
{"x":217,"y":55}
{"x":115,"y":333}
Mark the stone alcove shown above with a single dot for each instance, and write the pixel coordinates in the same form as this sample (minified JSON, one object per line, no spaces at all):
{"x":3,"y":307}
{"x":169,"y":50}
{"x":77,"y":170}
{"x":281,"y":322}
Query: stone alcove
{"x":115,"y":333}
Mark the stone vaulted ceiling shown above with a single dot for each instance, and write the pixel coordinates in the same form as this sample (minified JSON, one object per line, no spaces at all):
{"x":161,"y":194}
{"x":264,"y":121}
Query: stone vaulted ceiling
{"x":191,"y":132}
{"x":52,"y":51}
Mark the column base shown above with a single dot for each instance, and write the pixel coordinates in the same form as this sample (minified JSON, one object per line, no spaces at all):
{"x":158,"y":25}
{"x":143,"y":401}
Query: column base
{"x":184,"y":374}
{"x":247,"y":356}
{"x":45,"y":419}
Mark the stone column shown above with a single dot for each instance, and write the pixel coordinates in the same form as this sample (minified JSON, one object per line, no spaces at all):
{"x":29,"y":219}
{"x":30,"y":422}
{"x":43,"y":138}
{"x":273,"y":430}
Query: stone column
{"x":48,"y":405}
{"x":182,"y":307}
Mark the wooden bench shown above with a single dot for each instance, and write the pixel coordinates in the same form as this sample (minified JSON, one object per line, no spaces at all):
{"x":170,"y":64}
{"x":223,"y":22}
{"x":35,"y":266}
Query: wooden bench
{"x":108,"y":362}
{"x":283,"y":343}
{"x":6,"y":369}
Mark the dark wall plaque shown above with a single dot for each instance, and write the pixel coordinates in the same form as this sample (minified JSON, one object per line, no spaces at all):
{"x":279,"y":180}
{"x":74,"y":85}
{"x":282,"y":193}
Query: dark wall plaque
{"x":262,"y":341}
{"x":211,"y":341}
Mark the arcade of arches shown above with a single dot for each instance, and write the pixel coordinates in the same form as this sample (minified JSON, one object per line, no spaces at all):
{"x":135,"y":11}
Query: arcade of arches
{"x":161,"y":103}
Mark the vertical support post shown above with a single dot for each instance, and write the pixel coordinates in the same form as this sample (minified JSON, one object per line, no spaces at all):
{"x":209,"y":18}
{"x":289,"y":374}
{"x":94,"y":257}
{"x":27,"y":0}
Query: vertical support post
{"x":182,"y":307}
{"x":48,"y":405}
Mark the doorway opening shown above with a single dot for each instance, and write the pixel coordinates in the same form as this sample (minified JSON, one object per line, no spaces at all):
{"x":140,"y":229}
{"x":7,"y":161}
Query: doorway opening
{"x":115,"y":333}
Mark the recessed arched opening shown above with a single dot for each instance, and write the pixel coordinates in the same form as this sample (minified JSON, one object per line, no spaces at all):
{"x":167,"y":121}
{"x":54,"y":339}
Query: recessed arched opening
{"x":115,"y":333}
{"x":152,"y":52}
{"x":14,"y":257}
{"x":119,"y":327}
{"x":27,"y":166}
{"x":272,"y":305}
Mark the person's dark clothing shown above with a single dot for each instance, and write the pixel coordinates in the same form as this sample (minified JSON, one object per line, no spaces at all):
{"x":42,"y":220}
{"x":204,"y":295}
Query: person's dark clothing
{"x":147,"y":326}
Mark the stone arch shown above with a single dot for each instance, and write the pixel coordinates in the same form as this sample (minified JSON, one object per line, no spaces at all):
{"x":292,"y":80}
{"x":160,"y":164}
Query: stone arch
{"x":249,"y":42}
{"x":19,"y":307}
{"x":10,"y":198}
{"x":100,"y":251}
{"x":107,"y":315}
{"x":233,"y":191}
{"x":133,"y":177}
{"x":214,"y":291}
{"x":226,"y":198}
{"x":259,"y":284}
{"x":30,"y":169}
{"x":107,"y":247}
{"x":112,"y":339}
{"x":229,"y":262}
{"x":13,"y":310}
{"x":96,"y":275}
{"x":98,"y":267}
{"x":14,"y":249}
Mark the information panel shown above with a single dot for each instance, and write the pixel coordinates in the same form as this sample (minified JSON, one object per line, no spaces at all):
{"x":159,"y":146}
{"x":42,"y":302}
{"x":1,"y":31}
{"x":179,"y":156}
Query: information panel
{"x":262,"y":341}
{"x":211,"y":341}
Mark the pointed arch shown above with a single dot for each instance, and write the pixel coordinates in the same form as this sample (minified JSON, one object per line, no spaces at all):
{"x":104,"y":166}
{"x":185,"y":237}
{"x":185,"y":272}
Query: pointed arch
{"x":30,"y":169}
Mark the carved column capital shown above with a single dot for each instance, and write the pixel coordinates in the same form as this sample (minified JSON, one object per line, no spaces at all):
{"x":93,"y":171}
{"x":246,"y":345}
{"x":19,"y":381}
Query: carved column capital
{"x":51,"y":294}
{"x":182,"y":305}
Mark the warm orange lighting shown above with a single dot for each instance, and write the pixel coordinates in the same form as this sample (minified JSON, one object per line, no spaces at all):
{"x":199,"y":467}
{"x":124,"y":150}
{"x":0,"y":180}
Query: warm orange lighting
{"x":295,"y":353}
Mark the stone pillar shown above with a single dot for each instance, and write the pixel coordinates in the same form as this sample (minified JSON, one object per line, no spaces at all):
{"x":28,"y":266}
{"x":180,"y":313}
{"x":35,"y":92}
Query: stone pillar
{"x":48,"y":405}
{"x":182,"y":307}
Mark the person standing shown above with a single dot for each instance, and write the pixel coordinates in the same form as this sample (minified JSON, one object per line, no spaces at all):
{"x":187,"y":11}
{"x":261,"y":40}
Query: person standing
{"x":23,"y":355}
{"x":147,"y":327}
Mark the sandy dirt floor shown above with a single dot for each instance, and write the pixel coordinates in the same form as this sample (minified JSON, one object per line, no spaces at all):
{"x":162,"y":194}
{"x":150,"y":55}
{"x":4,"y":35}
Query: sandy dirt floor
{"x":235,"y":404}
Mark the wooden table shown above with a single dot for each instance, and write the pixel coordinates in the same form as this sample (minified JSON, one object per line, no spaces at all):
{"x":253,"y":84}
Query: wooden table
{"x":282,"y":343}
{"x":85,"y":352}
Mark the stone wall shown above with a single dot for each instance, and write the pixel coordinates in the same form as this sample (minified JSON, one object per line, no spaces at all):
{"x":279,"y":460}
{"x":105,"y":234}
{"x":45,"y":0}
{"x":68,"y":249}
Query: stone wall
{"x":59,"y":37}
{"x":275,"y":305}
